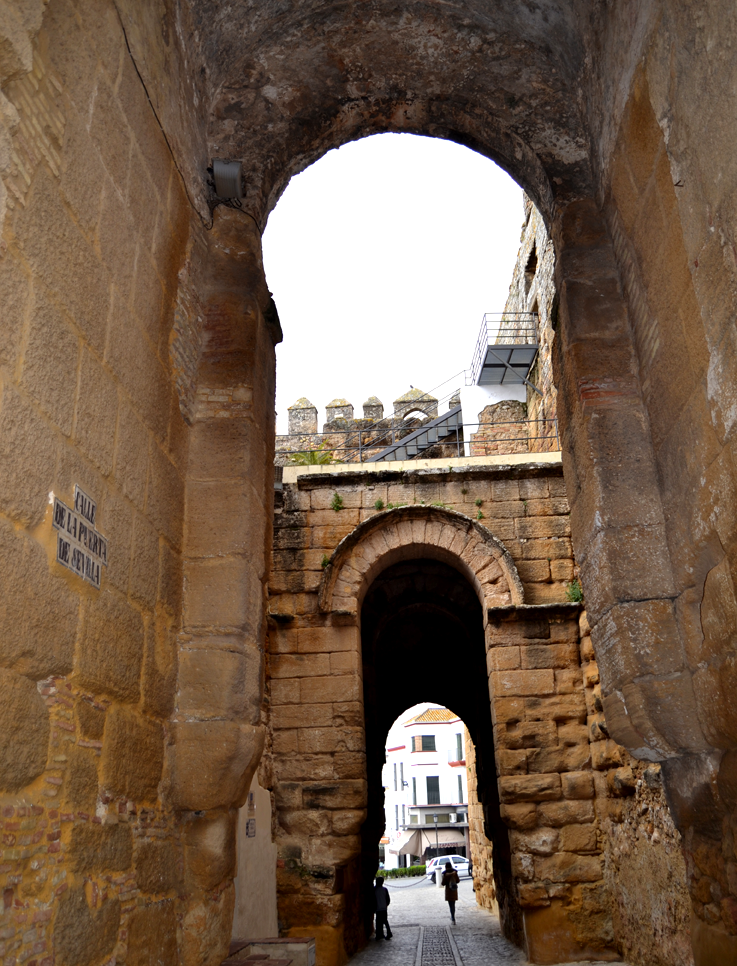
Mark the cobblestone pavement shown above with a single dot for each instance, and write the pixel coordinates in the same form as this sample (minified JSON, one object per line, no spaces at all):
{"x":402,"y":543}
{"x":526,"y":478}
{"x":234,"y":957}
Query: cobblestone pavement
{"x":424,"y":936}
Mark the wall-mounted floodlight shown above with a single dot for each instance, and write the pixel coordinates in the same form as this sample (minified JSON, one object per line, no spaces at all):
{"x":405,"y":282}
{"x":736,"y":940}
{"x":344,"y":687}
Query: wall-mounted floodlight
{"x":228,"y":177}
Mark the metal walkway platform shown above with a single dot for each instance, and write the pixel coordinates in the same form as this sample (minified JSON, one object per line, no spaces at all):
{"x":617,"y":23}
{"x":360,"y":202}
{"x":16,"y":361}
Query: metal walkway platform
{"x":423,"y":438}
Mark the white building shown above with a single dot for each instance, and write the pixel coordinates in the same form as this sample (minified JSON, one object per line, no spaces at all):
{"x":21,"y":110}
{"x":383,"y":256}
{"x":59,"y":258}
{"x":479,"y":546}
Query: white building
{"x":425,"y":787}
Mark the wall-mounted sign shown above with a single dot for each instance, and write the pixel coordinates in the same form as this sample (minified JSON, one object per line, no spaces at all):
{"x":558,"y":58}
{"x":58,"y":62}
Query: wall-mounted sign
{"x":251,"y":828}
{"x":79,"y":546}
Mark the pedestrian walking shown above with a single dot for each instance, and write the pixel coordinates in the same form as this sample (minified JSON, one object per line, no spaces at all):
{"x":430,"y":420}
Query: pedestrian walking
{"x":381,"y":908}
{"x":450,"y":881}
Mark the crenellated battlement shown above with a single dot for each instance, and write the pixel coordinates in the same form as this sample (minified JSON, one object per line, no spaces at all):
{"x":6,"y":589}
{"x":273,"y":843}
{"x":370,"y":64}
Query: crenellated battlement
{"x":349,"y":438}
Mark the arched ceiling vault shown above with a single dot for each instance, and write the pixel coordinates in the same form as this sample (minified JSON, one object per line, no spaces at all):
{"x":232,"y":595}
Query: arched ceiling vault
{"x":292,"y":80}
{"x":278,"y":83}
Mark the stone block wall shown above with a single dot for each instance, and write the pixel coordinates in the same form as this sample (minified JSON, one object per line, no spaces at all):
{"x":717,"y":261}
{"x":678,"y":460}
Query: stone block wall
{"x":482,"y":850}
{"x":526,"y":508}
{"x":535,"y":292}
{"x":315,"y":687}
{"x":628,"y":153}
{"x":635,"y":172}
{"x":644,"y":863}
{"x":544,"y":762}
{"x":621,"y":822}
{"x":95,"y":225}
{"x":503,"y":429}
{"x":563,"y":784}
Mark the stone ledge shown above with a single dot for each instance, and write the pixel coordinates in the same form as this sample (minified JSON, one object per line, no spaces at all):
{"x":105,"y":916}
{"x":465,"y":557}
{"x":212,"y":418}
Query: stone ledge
{"x":514,"y":464}
{"x":535,"y":611}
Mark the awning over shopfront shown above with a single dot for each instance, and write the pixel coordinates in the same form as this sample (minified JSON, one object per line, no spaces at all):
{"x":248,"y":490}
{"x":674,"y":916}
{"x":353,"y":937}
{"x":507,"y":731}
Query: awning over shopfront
{"x":421,"y":839}
{"x":402,"y":843}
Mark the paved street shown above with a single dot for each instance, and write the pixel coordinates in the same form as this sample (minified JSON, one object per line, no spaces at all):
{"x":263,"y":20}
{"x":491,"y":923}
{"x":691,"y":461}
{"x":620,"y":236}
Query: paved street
{"x":424,"y":936}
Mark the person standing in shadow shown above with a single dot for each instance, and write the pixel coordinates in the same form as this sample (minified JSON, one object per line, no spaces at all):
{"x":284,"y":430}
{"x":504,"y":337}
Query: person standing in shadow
{"x":450,"y":881}
{"x":381,"y":908}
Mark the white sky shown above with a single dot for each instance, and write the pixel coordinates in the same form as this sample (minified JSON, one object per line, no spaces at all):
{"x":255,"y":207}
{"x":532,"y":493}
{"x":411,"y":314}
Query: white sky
{"x":383,"y":257}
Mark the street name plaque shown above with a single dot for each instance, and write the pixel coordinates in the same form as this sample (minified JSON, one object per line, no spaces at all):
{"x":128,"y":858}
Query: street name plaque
{"x":79,"y":545}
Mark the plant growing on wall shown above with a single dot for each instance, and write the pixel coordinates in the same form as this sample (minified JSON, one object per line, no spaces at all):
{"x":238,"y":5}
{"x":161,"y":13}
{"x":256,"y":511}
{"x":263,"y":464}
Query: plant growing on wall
{"x":574,"y":591}
{"x":337,"y":502}
{"x":313,"y":457}
{"x":379,"y":505}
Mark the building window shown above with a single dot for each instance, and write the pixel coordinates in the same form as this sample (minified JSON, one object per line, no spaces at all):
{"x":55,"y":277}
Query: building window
{"x":433,"y":790}
{"x":414,"y":820}
{"x":395,"y":777}
{"x":443,"y":818}
{"x":423,"y":743}
{"x":414,"y":791}
{"x":459,"y":747}
{"x":396,"y":817}
{"x":460,"y":789}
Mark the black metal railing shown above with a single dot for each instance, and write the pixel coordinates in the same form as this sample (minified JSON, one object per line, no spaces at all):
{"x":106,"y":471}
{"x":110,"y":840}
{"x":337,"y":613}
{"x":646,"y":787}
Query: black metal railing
{"x":467,"y":439}
{"x":501,"y":328}
{"x":394,"y":422}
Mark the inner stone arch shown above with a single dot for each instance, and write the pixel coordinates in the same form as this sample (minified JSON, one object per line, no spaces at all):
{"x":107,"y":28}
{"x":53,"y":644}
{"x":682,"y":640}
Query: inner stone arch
{"x":398,"y":615}
{"x":422,"y":619}
{"x":410,"y":531}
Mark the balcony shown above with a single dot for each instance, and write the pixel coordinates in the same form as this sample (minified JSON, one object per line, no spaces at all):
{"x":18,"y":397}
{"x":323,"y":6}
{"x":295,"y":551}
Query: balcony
{"x":506,"y":350}
{"x":449,"y":816}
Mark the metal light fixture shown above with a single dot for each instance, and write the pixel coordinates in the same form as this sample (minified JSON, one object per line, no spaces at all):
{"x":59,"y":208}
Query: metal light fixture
{"x":228,"y":177}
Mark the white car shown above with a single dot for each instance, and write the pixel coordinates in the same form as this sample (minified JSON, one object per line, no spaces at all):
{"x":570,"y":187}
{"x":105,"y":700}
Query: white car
{"x":460,"y":864}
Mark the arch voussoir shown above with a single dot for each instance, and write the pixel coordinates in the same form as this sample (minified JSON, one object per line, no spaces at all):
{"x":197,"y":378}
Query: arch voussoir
{"x":433,"y":530}
{"x":418,"y":531}
{"x":446,"y":537}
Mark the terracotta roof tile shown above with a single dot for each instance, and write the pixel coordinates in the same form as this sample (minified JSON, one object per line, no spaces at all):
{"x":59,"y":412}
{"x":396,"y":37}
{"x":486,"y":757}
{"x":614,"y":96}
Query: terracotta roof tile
{"x":433,"y":714}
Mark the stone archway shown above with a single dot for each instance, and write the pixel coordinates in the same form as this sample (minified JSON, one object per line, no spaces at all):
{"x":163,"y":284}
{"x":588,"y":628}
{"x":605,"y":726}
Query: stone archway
{"x":391,"y":590}
{"x":601,"y":360}
{"x":419,"y":531}
{"x":422,"y":638}
{"x":613,"y":118}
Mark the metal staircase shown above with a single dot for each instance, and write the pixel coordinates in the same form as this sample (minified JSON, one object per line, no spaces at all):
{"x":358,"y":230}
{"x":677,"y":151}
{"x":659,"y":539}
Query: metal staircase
{"x":421,"y":439}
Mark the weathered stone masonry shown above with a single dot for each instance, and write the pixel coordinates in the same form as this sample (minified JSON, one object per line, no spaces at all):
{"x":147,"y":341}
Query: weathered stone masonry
{"x":549,"y":745}
{"x":118,"y":837}
{"x":95,"y":224}
{"x":617,"y":119}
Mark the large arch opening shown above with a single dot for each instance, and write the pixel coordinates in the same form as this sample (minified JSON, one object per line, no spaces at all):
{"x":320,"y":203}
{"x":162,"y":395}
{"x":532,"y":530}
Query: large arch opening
{"x":508,"y":92}
{"x":422,"y":637}
{"x":384,"y":251}
{"x":607,"y":115}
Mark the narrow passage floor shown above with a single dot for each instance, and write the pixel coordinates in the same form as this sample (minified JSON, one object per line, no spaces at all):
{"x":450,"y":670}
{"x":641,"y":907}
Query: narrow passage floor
{"x":424,"y":935}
